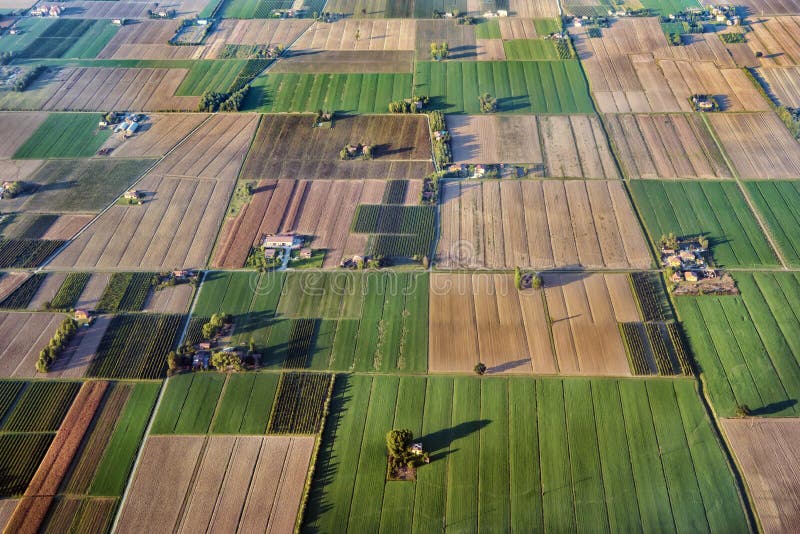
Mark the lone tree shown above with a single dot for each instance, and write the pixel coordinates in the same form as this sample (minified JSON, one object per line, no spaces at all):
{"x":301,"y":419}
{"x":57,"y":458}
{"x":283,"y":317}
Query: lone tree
{"x":536,"y":281}
{"x":488,"y":103}
{"x":742,"y":411}
{"x":517,"y":278}
{"x":480,"y":369}
{"x":398,"y":441}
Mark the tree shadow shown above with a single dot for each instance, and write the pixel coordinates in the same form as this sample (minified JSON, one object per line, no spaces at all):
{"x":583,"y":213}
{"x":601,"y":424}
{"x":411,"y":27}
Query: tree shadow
{"x":512,"y":103}
{"x":775,"y":407}
{"x":438,"y":443}
{"x":507,"y":366}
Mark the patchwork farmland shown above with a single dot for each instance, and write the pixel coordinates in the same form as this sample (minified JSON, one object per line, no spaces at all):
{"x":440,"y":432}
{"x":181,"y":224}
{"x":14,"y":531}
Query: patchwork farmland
{"x":500,"y":225}
{"x":776,"y":202}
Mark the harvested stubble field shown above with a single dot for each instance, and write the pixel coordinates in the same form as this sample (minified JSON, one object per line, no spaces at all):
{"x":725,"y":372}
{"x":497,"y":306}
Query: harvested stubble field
{"x":148,"y":39}
{"x":766,"y":451}
{"x":783,"y":84}
{"x":778,"y":202}
{"x":32,"y":509}
{"x":517,"y":454}
{"x":396,"y":34}
{"x":104,"y":88}
{"x":483,"y":317}
{"x":540,"y":224}
{"x":80,"y":185}
{"x":269,"y":32}
{"x":24,"y":335}
{"x":286,"y":147}
{"x":758,"y":145}
{"x":777,"y":38}
{"x":170,"y":299}
{"x":304,"y":207}
{"x":758,"y":366}
{"x":15,"y":129}
{"x":306,"y":61}
{"x":344,"y":93}
{"x":715,"y":210}
{"x":574,"y":146}
{"x":156,"y":136}
{"x":361,"y":321}
{"x":633,"y":69}
{"x":518,"y":86}
{"x":219,"y":483}
{"x":666,"y":146}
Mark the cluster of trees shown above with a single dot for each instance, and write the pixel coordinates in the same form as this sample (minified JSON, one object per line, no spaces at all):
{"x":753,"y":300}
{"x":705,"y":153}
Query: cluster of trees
{"x":668,"y":241}
{"x":440,"y":51}
{"x":409,"y":105}
{"x":526,"y":280}
{"x":215,"y":324}
{"x":212,"y":101}
{"x":26,"y":78}
{"x":441,"y":142}
{"x":398,"y":442}
{"x":6,"y":57}
{"x":789,"y":116}
{"x":224,"y":361}
{"x":674,"y":39}
{"x":355,"y":151}
{"x":488,"y":103}
{"x":58,"y":343}
{"x":13,"y":189}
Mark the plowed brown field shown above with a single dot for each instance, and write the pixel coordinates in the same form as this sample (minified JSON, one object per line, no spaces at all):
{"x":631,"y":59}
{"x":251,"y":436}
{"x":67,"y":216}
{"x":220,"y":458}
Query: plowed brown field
{"x":15,"y":129}
{"x":784,"y":84}
{"x":777,"y":38}
{"x":483,"y":317}
{"x":218,"y":483}
{"x":392,"y":34}
{"x":666,"y":146}
{"x":148,"y":39}
{"x":22,"y":336}
{"x":768,"y":454}
{"x":540,"y":224}
{"x":156,"y":136}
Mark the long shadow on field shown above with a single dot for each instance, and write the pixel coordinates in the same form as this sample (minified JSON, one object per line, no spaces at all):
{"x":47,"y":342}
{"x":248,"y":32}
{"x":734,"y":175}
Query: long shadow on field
{"x":774,"y":407}
{"x":463,"y":51}
{"x":558,"y":277}
{"x":509,"y":365}
{"x":386,"y":149}
{"x":513,"y":103}
{"x":439,"y":442}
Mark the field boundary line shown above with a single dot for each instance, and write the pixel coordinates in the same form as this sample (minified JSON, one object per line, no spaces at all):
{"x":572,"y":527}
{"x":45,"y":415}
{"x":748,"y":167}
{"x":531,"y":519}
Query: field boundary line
{"x":189,"y":314}
{"x":116,"y":199}
{"x":761,"y":224}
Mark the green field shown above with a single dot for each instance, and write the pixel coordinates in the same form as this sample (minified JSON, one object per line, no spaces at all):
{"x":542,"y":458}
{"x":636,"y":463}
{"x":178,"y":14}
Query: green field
{"x":530,"y":49}
{"x":518,"y":86}
{"x":778,"y":203}
{"x":342,"y":93}
{"x":667,"y":7}
{"x":210,"y":75}
{"x":65,"y":135}
{"x":31,"y":29}
{"x":82,"y":185}
{"x":341,"y":321}
{"x":70,"y":291}
{"x":216,"y":403}
{"x":747,"y":346}
{"x":252,"y":9}
{"x":612,"y":455}
{"x":488,"y":29}
{"x":716,"y":210}
{"x":70,"y":38}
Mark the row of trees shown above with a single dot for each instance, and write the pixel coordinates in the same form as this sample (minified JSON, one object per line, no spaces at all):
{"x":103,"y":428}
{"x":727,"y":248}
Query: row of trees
{"x":212,"y":101}
{"x":440,"y":51}
{"x":442,"y":152}
{"x":26,"y":78}
{"x":409,"y":105}
{"x":66,"y":331}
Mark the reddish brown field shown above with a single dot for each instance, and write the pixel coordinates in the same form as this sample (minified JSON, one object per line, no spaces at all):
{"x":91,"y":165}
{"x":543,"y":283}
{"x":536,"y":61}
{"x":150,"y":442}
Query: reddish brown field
{"x":344,"y":61}
{"x":633,"y":69}
{"x":758,"y":145}
{"x":393,"y":34}
{"x":286,"y":147}
{"x":15,"y":129}
{"x":66,"y":226}
{"x":483,"y":317}
{"x":249,"y":483}
{"x":32,"y":508}
{"x":104,"y":88}
{"x":304,"y":207}
{"x":22,"y":337}
{"x":666,"y":146}
{"x":541,"y":224}
{"x":767,"y":452}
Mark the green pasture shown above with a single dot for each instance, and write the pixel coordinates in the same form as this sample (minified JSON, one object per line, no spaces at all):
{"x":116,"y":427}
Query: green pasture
{"x":778,"y":203}
{"x":530,"y":49}
{"x":65,"y":135}
{"x":210,"y":75}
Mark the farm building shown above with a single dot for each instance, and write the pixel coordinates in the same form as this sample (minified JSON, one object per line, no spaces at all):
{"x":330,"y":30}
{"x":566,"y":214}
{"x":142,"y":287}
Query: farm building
{"x":82,"y":315}
{"x":305,"y":253}
{"x":282,"y":241}
{"x":132,"y":194}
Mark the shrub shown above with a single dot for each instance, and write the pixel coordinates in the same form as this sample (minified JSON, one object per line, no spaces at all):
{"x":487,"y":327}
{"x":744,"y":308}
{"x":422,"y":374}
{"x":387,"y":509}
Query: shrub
{"x":488,"y":103}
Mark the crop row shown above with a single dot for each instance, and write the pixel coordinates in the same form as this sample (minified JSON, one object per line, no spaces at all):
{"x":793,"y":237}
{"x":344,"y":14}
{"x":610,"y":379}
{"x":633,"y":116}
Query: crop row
{"x":26,"y":253}
{"x":676,"y":338}
{"x":399,"y":246}
{"x":73,"y":514}
{"x":659,"y":348}
{"x":300,"y":403}
{"x":395,"y":192}
{"x":391,"y":219}
{"x":70,"y":291}
{"x":22,"y":296}
{"x":300,"y":341}
{"x":9,"y":391}
{"x":194,"y":332}
{"x":251,"y":69}
{"x":650,"y":294}
{"x":126,"y":292}
{"x":41,"y":407}
{"x":136,"y":346}
{"x":20,"y":455}
{"x":636,"y":346}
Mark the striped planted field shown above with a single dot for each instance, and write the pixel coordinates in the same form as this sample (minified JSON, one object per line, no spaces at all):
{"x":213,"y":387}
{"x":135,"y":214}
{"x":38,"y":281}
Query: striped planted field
{"x":524,"y":454}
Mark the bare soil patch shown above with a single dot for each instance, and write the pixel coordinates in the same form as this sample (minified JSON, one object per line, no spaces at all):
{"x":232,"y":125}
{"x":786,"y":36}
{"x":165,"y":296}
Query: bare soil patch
{"x":104,"y":88}
{"x":287,"y":147}
{"x":22,"y":337}
{"x":157,"y":135}
{"x":666,"y":146}
{"x":758,"y":145}
{"x":173,"y":299}
{"x":47,"y":290}
{"x":15,"y":129}
{"x":75,"y":360}
{"x":539,"y":224}
{"x":391,"y":34}
{"x":148,"y":39}
{"x":66,"y":226}
{"x":18,"y":169}
{"x":767,"y":452}
{"x":304,"y":207}
{"x":249,"y":483}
